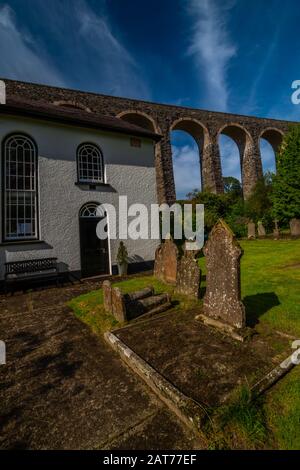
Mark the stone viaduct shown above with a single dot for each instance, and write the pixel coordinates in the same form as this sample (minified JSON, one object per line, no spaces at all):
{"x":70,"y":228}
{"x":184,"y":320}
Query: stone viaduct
{"x":204,"y":126}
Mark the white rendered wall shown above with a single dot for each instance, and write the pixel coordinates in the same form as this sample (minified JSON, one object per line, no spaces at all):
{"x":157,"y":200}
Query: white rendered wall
{"x":129,"y":171}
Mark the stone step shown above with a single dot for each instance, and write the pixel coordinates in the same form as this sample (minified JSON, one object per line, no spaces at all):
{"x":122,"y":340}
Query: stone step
{"x":139,"y":307}
{"x":140,"y":294}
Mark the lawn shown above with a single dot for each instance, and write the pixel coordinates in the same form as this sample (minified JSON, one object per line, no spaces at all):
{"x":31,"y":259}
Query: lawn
{"x":89,"y":307}
{"x":270,"y":281}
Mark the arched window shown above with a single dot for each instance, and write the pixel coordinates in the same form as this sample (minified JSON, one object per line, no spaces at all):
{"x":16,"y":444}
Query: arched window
{"x":20,"y":188}
{"x":90,"y":164}
{"x":91,"y":209}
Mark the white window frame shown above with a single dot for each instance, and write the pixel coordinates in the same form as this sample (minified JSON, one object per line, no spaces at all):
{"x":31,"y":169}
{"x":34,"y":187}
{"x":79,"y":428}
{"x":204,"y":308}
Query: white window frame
{"x":20,"y":188}
{"x":90,"y":165}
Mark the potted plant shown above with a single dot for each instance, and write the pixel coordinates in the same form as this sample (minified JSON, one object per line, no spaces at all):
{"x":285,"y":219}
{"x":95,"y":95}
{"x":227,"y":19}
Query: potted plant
{"x":122,"y":259}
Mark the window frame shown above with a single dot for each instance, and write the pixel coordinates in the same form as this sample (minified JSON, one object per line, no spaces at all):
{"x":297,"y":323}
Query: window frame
{"x":102,"y":166}
{"x":21,"y":239}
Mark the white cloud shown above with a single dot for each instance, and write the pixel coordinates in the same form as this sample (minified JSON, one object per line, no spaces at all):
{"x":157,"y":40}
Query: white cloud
{"x":119,"y":74}
{"x":211,"y":48}
{"x":21,"y":57}
{"x":91,"y":55}
{"x":186,"y":169}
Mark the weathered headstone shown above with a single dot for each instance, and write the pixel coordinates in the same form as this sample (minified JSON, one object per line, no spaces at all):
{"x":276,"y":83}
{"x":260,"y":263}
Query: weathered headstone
{"x":188,"y":276}
{"x":276,"y":231}
{"x":114,"y":301}
{"x":261,"y":229}
{"x":118,"y":304}
{"x":166,"y":261}
{"x":190,"y":253}
{"x":251,"y":230}
{"x":106,"y":287}
{"x":222,"y":300}
{"x":295,"y":227}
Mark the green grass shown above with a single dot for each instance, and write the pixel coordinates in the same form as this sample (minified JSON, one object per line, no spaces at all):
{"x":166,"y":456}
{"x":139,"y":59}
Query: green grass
{"x":271,"y":421}
{"x":282,"y":409}
{"x":89,"y":307}
{"x":239,"y":424}
{"x":270,"y":280}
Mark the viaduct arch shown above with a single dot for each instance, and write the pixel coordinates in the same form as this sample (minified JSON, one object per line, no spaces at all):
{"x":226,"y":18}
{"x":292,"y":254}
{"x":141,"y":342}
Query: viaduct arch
{"x":204,"y":126}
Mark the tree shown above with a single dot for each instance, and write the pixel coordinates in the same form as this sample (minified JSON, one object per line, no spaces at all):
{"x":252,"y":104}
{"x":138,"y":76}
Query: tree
{"x":232,"y":185}
{"x":259,"y":205}
{"x":193,"y":194}
{"x":214,"y":207}
{"x":286,"y":187}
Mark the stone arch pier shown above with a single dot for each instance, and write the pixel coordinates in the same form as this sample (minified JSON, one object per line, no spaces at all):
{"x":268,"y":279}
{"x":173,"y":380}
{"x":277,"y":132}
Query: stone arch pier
{"x":204,"y":126}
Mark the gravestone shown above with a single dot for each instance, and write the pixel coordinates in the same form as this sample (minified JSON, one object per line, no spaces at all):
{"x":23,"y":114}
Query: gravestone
{"x":295,"y":227}
{"x":166,"y":262}
{"x":261,"y":229}
{"x":222,"y":300}
{"x":188,"y":276}
{"x":118,"y":305}
{"x":106,"y":287}
{"x":190,"y":253}
{"x":276,"y":231}
{"x":251,"y":231}
{"x":114,"y":301}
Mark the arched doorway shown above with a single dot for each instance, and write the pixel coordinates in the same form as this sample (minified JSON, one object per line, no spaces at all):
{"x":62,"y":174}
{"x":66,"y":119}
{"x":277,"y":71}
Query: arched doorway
{"x":93,"y":251}
{"x":187,"y":140}
{"x":270,"y":141}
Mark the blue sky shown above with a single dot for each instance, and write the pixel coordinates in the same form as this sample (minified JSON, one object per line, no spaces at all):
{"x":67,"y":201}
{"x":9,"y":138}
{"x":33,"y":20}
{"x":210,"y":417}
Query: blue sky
{"x":239,"y":56}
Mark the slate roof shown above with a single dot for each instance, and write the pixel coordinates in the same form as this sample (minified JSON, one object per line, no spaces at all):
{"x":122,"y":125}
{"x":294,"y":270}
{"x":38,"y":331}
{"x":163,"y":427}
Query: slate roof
{"x":72,"y":116}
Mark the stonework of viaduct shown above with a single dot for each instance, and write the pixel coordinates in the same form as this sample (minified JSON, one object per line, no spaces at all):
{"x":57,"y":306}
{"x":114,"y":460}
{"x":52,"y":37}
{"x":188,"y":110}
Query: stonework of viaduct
{"x":204,"y":126}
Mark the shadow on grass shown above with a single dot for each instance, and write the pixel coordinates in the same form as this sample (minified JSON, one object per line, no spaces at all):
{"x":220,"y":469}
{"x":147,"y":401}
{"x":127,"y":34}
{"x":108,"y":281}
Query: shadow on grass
{"x":202,"y":289}
{"x":258,"y":304}
{"x":202,"y":292}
